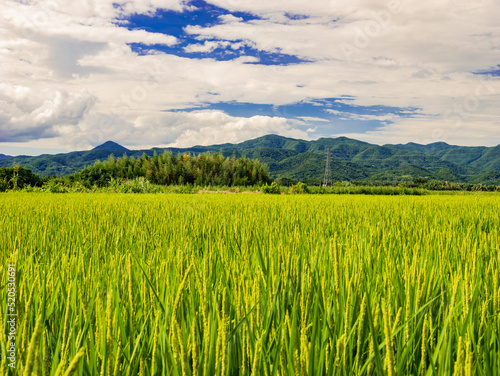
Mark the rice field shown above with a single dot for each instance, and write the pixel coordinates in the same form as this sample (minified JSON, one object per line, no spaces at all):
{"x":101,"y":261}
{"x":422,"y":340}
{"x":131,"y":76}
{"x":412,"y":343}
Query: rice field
{"x":243,"y":284}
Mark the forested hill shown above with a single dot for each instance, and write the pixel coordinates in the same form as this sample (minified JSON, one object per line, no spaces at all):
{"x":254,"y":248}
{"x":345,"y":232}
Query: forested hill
{"x":294,"y":159}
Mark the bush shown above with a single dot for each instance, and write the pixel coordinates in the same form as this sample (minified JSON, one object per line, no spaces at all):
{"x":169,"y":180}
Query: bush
{"x":299,"y":188}
{"x":79,"y":187}
{"x":271,"y":189}
{"x":137,"y":185}
{"x":55,"y":187}
{"x":285,"y":182}
{"x":29,"y":188}
{"x":3,"y":185}
{"x":17,"y":177}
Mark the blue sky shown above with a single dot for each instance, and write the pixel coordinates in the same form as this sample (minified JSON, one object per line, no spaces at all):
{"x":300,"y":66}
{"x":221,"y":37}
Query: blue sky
{"x":178,"y":73}
{"x":495,"y":72}
{"x":205,"y":15}
{"x":325,"y":115}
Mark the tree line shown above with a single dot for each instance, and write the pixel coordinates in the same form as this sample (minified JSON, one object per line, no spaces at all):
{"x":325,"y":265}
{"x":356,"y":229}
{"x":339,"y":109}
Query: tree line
{"x":181,"y":169}
{"x":200,"y":170}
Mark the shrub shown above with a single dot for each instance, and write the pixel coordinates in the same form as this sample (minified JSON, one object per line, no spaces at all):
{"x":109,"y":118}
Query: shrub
{"x":271,"y":189}
{"x":137,"y":185}
{"x":285,"y":182}
{"x":3,"y":185}
{"x":55,"y":187}
{"x":299,"y":188}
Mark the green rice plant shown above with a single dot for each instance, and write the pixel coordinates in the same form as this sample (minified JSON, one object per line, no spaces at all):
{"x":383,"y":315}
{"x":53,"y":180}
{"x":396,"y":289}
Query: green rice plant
{"x":111,"y":284}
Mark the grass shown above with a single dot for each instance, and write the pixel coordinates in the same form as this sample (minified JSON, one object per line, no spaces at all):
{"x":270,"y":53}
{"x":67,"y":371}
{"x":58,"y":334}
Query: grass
{"x":252,"y":284}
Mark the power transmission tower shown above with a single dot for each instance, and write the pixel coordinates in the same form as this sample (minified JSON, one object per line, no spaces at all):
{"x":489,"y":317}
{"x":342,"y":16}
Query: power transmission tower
{"x":327,"y":180}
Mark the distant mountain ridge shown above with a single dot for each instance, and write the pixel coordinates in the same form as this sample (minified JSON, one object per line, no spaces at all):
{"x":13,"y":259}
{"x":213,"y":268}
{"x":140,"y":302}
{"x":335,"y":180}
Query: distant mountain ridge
{"x":3,"y":156}
{"x":110,"y":145}
{"x":300,"y":160}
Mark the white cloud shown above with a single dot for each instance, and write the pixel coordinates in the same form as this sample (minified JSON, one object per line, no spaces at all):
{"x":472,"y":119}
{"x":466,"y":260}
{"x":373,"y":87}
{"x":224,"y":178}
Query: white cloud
{"x":472,"y":132}
{"x":36,"y":20}
{"x":207,"y":46}
{"x":313,"y":119}
{"x":68,"y":73}
{"x":27,"y":115}
{"x":175,"y":129}
{"x":424,"y":34}
{"x":229,"y":18}
{"x":210,"y":127}
{"x":353,"y":116}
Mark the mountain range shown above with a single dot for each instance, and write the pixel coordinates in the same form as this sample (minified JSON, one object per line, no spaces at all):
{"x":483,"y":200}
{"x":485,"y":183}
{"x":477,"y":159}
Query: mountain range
{"x":299,"y":160}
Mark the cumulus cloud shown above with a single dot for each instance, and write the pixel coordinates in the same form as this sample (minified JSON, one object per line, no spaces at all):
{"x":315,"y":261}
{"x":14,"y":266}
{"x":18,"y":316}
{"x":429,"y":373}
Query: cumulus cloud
{"x":210,"y":127}
{"x":79,"y":21}
{"x":28,"y":115}
{"x":353,"y":116}
{"x":425,"y":34}
{"x":471,"y":132}
{"x":175,"y":129}
{"x":68,"y":72}
{"x":312,"y":119}
{"x":207,"y":46}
